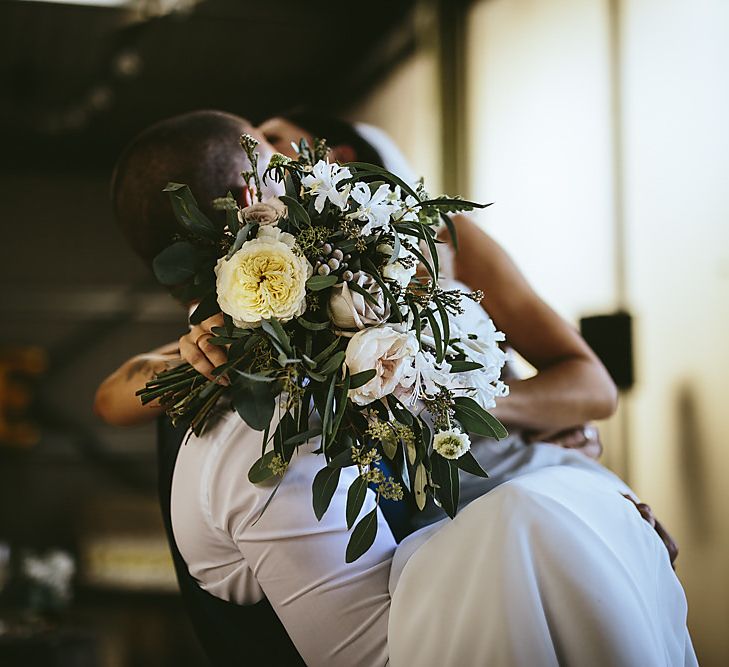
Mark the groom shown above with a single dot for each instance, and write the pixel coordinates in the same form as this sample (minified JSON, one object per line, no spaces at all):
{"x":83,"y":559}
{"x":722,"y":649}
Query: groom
{"x":195,"y":149}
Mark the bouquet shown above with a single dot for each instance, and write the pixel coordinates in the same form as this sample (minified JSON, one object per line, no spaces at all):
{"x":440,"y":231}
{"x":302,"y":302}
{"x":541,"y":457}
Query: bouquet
{"x":332,"y":333}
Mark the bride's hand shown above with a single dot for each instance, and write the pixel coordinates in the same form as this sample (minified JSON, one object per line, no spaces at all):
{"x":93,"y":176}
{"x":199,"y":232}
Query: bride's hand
{"x":585,"y":438}
{"x":647,"y":513}
{"x":197,"y":350}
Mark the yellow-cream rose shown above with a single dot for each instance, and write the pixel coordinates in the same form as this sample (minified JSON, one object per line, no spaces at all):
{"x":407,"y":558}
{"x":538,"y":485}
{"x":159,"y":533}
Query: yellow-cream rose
{"x":265,"y":279}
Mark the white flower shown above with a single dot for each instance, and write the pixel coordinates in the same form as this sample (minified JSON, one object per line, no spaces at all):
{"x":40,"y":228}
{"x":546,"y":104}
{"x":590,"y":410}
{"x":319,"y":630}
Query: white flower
{"x":405,"y":211}
{"x":403,"y":268}
{"x":451,"y":444}
{"x":266,"y":278}
{"x":389,"y":352}
{"x":350,"y":310}
{"x":264,"y":213}
{"x":427,"y":377}
{"x":375,"y":208}
{"x":323,"y":182}
{"x":483,"y":348}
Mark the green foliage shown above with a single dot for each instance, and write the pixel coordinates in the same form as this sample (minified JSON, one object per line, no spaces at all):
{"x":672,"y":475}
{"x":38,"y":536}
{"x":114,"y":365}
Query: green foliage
{"x":362,"y":537}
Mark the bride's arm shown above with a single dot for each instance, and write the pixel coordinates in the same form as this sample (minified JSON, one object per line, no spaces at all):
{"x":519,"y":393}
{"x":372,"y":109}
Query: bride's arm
{"x":571,"y":386}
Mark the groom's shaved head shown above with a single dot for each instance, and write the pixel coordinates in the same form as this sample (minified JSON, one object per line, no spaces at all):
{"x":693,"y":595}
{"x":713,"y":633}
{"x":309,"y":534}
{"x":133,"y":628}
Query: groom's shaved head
{"x":199,"y":149}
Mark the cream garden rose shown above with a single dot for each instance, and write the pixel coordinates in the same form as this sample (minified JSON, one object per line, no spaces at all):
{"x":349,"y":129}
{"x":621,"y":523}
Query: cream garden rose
{"x":389,"y":352}
{"x":265,"y":279}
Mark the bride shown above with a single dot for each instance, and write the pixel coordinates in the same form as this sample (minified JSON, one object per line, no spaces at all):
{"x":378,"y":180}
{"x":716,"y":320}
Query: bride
{"x":553,"y":567}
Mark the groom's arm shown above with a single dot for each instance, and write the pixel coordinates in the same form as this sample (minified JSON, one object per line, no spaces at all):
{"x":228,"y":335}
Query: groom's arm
{"x":116,"y":401}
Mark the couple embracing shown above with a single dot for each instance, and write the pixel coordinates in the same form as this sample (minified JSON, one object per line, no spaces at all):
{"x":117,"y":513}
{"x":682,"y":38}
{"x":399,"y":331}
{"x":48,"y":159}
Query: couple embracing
{"x":549,"y":562}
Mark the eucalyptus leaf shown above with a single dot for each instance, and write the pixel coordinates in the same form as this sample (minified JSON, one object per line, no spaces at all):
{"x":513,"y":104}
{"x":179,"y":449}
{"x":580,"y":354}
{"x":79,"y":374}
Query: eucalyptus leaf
{"x":188,"y":213}
{"x":260,"y":470}
{"x":176,"y":263}
{"x":323,"y":488}
{"x":303,"y":437}
{"x":445,"y":476}
{"x":468,"y":463}
{"x":363,"y":536}
{"x":312,"y":326}
{"x":477,"y":420}
{"x":317,"y":283}
{"x":334,"y":363}
{"x":297,"y":214}
{"x":419,"y":483}
{"x":359,"y":379}
{"x":254,"y":403}
{"x":355,"y":499}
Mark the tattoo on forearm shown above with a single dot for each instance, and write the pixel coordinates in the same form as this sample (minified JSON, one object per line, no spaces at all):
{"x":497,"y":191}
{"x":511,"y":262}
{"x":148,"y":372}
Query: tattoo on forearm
{"x":141,"y":367}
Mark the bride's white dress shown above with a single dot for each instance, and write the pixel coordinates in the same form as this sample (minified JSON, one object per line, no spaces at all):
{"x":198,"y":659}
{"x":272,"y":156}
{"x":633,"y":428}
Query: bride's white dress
{"x":553,"y":567}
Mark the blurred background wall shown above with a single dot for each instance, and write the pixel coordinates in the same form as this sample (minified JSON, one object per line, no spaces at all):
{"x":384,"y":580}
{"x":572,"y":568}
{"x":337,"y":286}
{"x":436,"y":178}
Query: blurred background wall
{"x":596,"y":126}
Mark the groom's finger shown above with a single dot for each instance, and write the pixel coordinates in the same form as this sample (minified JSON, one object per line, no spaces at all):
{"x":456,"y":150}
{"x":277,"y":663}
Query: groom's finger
{"x":194,"y":356}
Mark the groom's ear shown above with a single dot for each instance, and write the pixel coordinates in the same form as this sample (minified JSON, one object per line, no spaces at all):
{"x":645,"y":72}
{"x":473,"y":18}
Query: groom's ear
{"x":344,"y":153}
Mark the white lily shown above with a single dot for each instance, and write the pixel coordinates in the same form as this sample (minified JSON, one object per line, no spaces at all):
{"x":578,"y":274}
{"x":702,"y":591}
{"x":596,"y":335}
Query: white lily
{"x":375,"y":208}
{"x":323,"y":182}
{"x":405,"y":210}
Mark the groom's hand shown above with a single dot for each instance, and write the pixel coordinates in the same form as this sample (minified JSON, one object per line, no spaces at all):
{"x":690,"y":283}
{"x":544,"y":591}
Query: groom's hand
{"x":197,"y":350}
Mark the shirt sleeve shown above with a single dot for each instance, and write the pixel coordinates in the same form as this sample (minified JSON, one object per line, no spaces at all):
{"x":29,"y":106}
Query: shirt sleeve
{"x":335,"y":612}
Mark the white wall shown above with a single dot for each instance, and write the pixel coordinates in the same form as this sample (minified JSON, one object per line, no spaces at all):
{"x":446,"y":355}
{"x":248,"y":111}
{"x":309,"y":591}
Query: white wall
{"x":676,"y":114}
{"x":542,"y":136}
{"x":539,"y":122}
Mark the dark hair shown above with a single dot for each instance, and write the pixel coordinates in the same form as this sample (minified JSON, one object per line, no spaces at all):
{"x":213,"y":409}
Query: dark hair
{"x":336,"y":132}
{"x":195,"y":148}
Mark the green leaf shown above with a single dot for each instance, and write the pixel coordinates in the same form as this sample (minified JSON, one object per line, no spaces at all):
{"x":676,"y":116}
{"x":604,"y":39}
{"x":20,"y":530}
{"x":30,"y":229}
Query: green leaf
{"x":318,"y":283}
{"x":437,"y":336}
{"x":451,"y":230}
{"x":446,"y":324}
{"x":355,"y":499}
{"x":274,"y":329}
{"x":342,"y":399}
{"x":324,"y":354}
{"x":206,"y":308}
{"x":240,"y":238}
{"x":468,"y":463}
{"x":297,"y":214}
{"x":476,"y":420}
{"x":254,"y":403}
{"x":188,"y":214}
{"x":452,"y":204}
{"x":361,"y":378}
{"x":342,"y":460}
{"x":419,"y":486}
{"x":303,"y":437}
{"x":326,"y":422}
{"x":363,"y":536}
{"x":312,"y":326}
{"x":463,"y":366}
{"x":363,"y":292}
{"x":332,"y":364}
{"x":260,"y":470}
{"x":176,"y":263}
{"x":365,"y":168}
{"x":372,"y":270}
{"x":445,"y":476}
{"x":323,"y":488}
